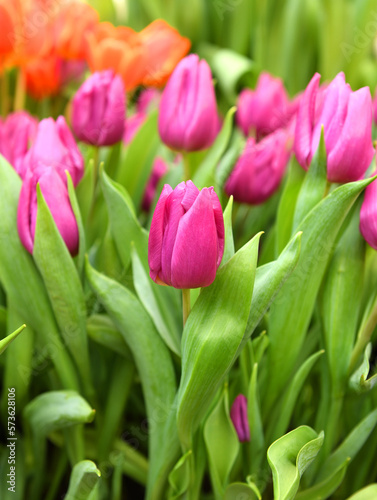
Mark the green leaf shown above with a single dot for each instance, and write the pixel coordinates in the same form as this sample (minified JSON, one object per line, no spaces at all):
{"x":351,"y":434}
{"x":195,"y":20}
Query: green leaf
{"x":84,"y":478}
{"x":84,"y":191}
{"x":4,"y":343}
{"x":289,"y":457}
{"x":255,"y":420}
{"x":102,"y":330}
{"x":229,"y":160}
{"x":229,"y":242}
{"x":205,"y":175}
{"x":350,"y":446}
{"x":63,"y":286}
{"x":18,"y":272}
{"x":179,"y":478}
{"x":137,"y":162}
{"x":77,"y":214}
{"x":326,"y":488}
{"x":359,"y":381}
{"x":314,"y":186}
{"x":212,"y":335}
{"x":242,"y":491}
{"x":367,"y":493}
{"x":222,"y":444}
{"x":291,"y":312}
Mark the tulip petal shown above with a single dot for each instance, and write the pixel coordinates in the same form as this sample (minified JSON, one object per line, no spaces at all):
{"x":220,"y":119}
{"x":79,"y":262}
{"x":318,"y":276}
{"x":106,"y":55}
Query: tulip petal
{"x":368,"y":215}
{"x":24,"y":212}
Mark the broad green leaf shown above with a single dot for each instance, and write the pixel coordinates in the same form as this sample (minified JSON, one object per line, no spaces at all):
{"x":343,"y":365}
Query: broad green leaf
{"x":314,"y":186}
{"x":4,"y":343}
{"x":291,"y":312}
{"x":83,"y":480}
{"x":289,"y":457}
{"x":255,"y":420}
{"x":324,"y":489}
{"x":359,"y":381}
{"x":18,"y":272}
{"x":242,"y":491}
{"x":349,"y":447}
{"x":103,"y":331}
{"x":179,"y":478}
{"x":222,"y":444}
{"x":367,"y":493}
{"x":212,"y":335}
{"x":136,"y":165}
{"x":229,"y":242}
{"x":205,"y":175}
{"x":63,"y":287}
{"x":280,"y":418}
{"x":285,"y":213}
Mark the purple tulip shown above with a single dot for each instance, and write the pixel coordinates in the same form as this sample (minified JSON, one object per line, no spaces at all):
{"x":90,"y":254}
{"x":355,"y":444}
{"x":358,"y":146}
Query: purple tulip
{"x":188,"y":119}
{"x":99,"y":109}
{"x":347,"y":120}
{"x":186,"y":240}
{"x":260,"y":168}
{"x":159,"y":169}
{"x":238,"y":415}
{"x":55,"y":147}
{"x":265,"y":109}
{"x":55,"y":193}
{"x":16,"y":134}
{"x":368,"y":215}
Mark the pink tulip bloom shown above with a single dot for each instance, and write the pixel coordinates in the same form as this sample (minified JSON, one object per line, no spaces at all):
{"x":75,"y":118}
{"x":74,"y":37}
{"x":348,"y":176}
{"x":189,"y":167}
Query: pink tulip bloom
{"x":55,"y":193}
{"x":159,"y":169}
{"x":260,"y":168}
{"x":54,"y":146}
{"x":375,"y":107}
{"x":264,"y":109}
{"x":238,"y":415}
{"x":368,"y":215}
{"x":347,"y":120}
{"x":188,"y":119}
{"x":16,"y":134}
{"x":186,"y":240}
{"x":99,"y":109}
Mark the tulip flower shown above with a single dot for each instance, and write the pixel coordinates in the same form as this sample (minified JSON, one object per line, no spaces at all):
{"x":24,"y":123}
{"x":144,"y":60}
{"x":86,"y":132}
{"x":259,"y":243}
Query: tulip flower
{"x":55,"y":193}
{"x":260,"y":168}
{"x":99,"y":108}
{"x":159,"y":169}
{"x":368,"y":215}
{"x":6,"y":26}
{"x":347,"y":120}
{"x":186,"y":239}
{"x":188,"y":119}
{"x":264,"y":109}
{"x":16,"y":134}
{"x":148,"y":99}
{"x":238,"y":415}
{"x":54,"y":146}
{"x":43,"y":76}
{"x":375,"y":107}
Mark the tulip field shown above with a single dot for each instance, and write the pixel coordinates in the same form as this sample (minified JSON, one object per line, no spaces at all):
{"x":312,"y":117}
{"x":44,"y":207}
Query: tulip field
{"x":188,"y":250}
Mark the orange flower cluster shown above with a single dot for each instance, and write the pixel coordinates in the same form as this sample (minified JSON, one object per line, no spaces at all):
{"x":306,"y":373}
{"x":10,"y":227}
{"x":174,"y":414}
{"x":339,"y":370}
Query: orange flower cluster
{"x":40,"y":36}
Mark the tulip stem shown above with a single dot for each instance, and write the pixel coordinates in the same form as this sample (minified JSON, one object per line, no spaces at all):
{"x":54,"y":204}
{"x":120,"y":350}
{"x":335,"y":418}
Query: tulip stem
{"x":186,"y":167}
{"x":186,"y":304}
{"x":20,"y":93}
{"x":4,"y":94}
{"x":363,"y":337}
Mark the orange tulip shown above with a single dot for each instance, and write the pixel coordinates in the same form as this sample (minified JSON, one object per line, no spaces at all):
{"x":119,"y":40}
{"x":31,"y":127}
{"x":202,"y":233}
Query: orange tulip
{"x":164,"y":47}
{"x":43,"y":76}
{"x":118,"y":49}
{"x":74,"y":22}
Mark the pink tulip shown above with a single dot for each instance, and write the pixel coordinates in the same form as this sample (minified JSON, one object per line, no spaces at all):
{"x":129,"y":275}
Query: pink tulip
{"x":54,"y":146}
{"x":188,"y":119}
{"x":99,"y":109}
{"x":260,"y":168}
{"x":186,"y":240}
{"x":347,"y":120}
{"x":264,"y":109}
{"x":238,"y":415}
{"x":16,"y":134}
{"x":148,"y":99}
{"x":375,"y":107}
{"x":55,"y":193}
{"x":159,"y":169}
{"x":368,"y":215}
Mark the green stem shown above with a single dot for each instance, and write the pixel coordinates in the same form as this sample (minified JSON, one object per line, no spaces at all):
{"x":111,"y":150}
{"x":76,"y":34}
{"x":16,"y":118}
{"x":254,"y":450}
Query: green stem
{"x":186,"y":166}
{"x":363,"y":337}
{"x":4,"y":94}
{"x":186,"y":304}
{"x":20,"y":94}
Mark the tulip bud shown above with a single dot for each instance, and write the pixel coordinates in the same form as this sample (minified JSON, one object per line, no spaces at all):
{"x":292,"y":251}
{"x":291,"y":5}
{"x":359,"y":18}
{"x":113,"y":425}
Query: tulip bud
{"x":188,"y":119}
{"x":265,"y":109}
{"x":238,"y":415}
{"x":368,"y":215}
{"x":54,"y":146}
{"x":260,"y":168}
{"x":347,"y":120}
{"x":16,"y":134}
{"x":99,"y":108}
{"x":55,"y":193}
{"x":186,"y":240}
{"x":159,"y":169}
